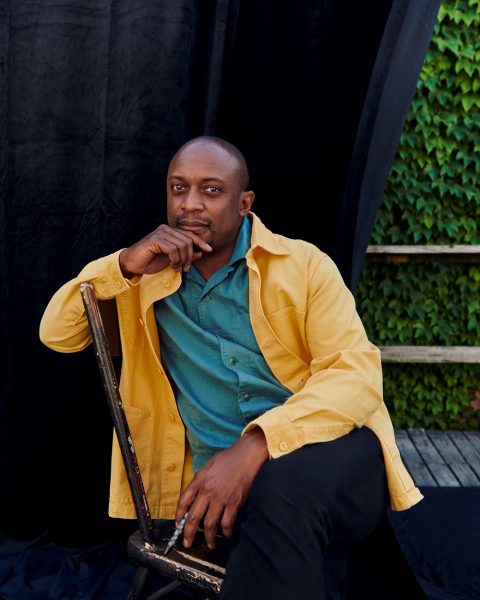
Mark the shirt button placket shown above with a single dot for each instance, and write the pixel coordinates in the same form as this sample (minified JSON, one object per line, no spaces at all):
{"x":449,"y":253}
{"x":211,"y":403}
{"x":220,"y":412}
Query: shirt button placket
{"x":203,"y":311}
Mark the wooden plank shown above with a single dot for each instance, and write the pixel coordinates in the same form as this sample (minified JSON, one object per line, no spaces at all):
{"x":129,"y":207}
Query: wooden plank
{"x":453,"y":458}
{"x":424,"y":249}
{"x":474,"y":438}
{"x":467,"y":449}
{"x":414,"y":462}
{"x":445,"y":259}
{"x":440,"y":471}
{"x":430,"y":354}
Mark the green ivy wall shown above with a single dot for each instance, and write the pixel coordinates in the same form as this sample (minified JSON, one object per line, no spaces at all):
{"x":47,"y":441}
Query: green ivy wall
{"x":433,"y":197}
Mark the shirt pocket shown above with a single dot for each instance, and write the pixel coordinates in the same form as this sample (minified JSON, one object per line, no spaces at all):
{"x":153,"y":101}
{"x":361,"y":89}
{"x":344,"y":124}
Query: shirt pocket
{"x":288,"y":324}
{"x":280,"y":313}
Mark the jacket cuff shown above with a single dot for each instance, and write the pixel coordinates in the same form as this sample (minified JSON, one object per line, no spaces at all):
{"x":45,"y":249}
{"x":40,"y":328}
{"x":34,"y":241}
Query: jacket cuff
{"x":284,"y":436}
{"x":281,"y":435}
{"x":107,"y":277}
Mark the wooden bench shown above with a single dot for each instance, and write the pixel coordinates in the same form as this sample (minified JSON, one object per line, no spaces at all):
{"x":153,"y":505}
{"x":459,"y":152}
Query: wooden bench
{"x":435,"y":458}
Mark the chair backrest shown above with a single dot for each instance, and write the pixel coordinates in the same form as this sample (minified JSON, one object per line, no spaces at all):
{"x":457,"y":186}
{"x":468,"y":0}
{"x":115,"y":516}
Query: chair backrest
{"x":120,"y":423}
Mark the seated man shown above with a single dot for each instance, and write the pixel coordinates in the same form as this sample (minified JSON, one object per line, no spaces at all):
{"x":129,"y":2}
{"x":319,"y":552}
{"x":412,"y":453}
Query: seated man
{"x":253,"y":395}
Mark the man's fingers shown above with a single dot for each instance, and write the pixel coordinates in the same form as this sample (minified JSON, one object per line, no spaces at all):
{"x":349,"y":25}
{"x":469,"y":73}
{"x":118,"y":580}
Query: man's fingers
{"x":185,"y":501}
{"x":197,"y":240}
{"x":164,"y":246}
{"x":185,"y":251}
{"x":210,"y":524}
{"x":176,"y":248}
{"x":176,"y":260}
{"x":195,"y":515}
{"x":189,"y":259}
{"x":196,"y":506}
{"x":228,"y":520}
{"x":182,"y":254}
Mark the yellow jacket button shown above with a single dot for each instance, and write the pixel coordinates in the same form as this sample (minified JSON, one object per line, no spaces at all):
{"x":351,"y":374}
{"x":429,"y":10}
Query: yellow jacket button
{"x":171,"y":467}
{"x":283,"y":446}
{"x":166,"y":283}
{"x":171,"y":417}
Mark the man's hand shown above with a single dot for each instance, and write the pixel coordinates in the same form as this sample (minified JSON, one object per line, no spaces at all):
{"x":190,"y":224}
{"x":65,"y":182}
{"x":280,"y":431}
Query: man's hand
{"x":220,"y":488}
{"x":163,"y":247}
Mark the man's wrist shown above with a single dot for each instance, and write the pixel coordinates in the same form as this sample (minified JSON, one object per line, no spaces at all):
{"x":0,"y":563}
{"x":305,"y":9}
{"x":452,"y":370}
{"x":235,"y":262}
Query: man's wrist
{"x":257,"y":438}
{"x":121,"y":261}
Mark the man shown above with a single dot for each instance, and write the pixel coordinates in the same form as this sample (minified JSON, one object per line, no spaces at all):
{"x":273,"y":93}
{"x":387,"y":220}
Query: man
{"x":248,"y":344}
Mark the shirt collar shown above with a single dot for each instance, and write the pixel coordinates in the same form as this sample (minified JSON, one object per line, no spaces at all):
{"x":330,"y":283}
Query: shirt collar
{"x":242,"y":245}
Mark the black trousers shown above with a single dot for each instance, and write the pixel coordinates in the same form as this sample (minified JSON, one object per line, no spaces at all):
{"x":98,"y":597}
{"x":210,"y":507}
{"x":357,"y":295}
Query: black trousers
{"x":303,"y":513}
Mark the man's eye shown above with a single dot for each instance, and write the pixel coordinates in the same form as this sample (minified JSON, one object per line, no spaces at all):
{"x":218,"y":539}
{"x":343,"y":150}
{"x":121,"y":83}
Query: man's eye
{"x":213,"y":189}
{"x":178,"y":187}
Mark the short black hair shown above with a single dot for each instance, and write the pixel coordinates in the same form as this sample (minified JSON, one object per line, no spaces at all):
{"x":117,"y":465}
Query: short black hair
{"x":243,"y":173}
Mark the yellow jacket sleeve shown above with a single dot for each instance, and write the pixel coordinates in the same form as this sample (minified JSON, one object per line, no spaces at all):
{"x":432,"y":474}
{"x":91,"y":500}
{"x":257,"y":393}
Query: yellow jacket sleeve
{"x":344,"y":385}
{"x":64,"y":326}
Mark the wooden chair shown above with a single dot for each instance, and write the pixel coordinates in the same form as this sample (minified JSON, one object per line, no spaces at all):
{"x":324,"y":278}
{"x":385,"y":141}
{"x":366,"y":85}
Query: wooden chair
{"x":198,"y":567}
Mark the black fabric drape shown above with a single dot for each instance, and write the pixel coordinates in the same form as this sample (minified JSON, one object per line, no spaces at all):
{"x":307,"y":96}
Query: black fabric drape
{"x":390,"y":91}
{"x":96,"y":95}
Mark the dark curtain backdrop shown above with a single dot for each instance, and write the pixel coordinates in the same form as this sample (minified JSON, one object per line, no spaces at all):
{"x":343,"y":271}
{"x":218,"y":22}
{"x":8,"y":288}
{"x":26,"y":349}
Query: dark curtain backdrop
{"x":96,"y":96}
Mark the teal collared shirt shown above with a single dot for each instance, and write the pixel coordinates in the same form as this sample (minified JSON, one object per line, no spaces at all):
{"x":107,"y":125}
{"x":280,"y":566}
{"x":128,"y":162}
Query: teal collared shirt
{"x":220,"y":378}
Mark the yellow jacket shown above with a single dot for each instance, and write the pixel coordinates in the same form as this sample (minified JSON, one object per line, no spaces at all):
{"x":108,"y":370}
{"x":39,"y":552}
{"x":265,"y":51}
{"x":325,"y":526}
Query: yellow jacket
{"x":306,"y":325}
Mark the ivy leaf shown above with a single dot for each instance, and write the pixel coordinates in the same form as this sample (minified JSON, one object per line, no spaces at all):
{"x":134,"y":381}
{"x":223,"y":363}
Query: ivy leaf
{"x":468,"y":102}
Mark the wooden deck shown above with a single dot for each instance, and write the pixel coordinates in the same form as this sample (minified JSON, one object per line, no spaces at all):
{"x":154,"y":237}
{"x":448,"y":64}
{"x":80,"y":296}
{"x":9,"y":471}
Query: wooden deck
{"x":441,"y":458}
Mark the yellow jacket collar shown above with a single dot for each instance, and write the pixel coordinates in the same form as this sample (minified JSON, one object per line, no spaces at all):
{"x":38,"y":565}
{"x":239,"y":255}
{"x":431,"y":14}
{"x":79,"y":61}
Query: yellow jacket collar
{"x":264,"y":238}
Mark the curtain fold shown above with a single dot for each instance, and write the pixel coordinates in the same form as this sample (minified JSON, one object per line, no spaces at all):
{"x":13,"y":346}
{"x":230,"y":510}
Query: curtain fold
{"x":392,"y":84}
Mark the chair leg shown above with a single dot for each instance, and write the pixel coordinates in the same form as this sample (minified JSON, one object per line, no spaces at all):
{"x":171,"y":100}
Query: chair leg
{"x":138,"y":589}
{"x":165,"y":590}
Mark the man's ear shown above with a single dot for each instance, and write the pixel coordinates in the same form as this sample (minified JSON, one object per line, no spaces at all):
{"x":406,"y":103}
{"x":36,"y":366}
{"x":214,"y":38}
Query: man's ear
{"x":246,"y":201}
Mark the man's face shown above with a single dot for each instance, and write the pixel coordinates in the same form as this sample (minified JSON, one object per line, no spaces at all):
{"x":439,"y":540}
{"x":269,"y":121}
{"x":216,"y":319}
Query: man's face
{"x":204,"y":195}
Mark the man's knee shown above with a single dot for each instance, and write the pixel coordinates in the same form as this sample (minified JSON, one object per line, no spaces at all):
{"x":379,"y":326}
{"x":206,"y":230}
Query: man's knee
{"x":339,"y":488}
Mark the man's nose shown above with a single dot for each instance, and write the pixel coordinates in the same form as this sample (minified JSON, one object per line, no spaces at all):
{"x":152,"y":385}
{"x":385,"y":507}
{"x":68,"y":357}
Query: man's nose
{"x":192,"y":201}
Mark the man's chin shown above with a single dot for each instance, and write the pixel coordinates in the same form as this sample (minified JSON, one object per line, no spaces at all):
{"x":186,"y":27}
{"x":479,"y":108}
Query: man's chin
{"x":207,"y":235}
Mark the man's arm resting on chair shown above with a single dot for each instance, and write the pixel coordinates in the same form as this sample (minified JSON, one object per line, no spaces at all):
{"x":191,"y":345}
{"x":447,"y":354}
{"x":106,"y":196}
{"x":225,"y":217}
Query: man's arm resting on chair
{"x":64,"y":325}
